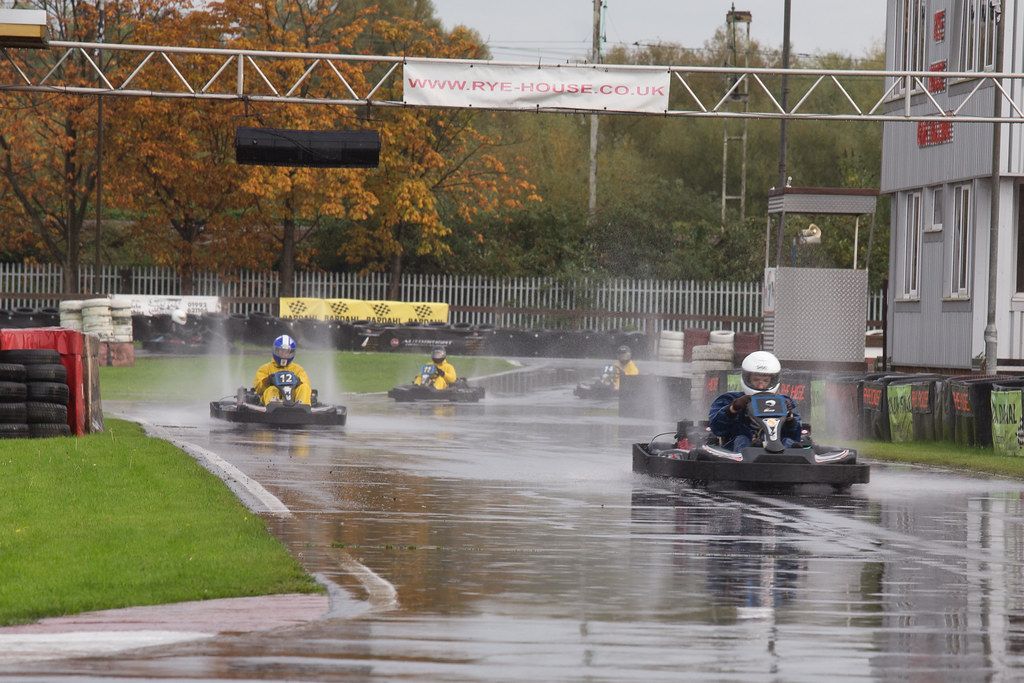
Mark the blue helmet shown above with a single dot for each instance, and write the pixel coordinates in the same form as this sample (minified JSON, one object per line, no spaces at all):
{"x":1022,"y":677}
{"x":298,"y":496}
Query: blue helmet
{"x":284,"y":350}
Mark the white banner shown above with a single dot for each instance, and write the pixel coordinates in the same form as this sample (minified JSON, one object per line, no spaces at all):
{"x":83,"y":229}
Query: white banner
{"x":440,"y":84}
{"x":153,"y":304}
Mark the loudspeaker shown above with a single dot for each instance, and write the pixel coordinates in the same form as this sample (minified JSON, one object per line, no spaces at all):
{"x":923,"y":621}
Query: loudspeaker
{"x":312,"y":148}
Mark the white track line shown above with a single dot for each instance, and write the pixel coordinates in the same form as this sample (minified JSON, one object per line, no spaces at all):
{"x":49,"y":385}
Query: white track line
{"x":226,"y":471}
{"x":30,"y":647}
{"x":381,"y":593}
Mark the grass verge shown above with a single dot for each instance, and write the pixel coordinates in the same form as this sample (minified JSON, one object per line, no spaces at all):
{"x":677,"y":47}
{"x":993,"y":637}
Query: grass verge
{"x":120,"y":519}
{"x":944,"y":454}
{"x":207,"y":378}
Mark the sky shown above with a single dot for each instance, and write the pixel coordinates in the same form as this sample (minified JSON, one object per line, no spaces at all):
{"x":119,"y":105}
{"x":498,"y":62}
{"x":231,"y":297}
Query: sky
{"x":557,"y":30}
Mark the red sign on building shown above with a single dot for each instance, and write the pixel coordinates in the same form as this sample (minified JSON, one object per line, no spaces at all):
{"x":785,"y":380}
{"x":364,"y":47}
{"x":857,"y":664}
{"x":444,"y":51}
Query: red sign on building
{"x":937,"y":84}
{"x":939,"y":26}
{"x":934,"y":133}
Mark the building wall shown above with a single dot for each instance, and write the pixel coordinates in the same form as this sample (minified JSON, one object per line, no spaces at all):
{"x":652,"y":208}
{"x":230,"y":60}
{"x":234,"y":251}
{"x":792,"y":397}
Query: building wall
{"x":934,"y":329}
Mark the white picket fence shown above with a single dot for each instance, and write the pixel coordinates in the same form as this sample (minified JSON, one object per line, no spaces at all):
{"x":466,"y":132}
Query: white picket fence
{"x":515,"y":302}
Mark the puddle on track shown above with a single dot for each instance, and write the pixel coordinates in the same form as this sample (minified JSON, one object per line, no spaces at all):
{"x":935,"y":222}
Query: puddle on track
{"x":521,"y":547}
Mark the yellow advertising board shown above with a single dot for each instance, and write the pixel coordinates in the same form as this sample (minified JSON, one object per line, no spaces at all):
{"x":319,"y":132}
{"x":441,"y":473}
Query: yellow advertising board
{"x":350,"y":310}
{"x":302,"y":308}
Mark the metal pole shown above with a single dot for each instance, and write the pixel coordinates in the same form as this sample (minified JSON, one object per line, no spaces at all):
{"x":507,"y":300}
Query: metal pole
{"x":781,"y":184}
{"x":991,"y":332}
{"x":856,"y":239}
{"x":595,"y":57}
{"x":97,"y":233}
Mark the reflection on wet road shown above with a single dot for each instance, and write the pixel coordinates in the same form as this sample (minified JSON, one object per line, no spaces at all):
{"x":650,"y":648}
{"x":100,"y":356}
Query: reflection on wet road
{"x":517,"y":545}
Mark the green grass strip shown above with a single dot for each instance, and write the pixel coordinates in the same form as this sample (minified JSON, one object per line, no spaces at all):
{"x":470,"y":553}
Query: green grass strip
{"x":333,"y":373}
{"x":944,"y":454}
{"x":120,"y":519}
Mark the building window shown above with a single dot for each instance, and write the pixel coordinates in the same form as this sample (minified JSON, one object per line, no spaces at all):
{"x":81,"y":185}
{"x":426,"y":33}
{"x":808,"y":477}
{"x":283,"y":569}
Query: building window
{"x":978,"y":28}
{"x":1020,"y":238}
{"x":911,"y":34}
{"x":911,"y":245}
{"x":960,"y":270}
{"x":938,"y":210}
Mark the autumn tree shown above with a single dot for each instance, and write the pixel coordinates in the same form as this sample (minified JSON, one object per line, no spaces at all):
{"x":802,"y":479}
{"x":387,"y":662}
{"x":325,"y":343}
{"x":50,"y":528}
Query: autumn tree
{"x":175,"y":168}
{"x":48,"y":141}
{"x":433,"y":165}
{"x":290,"y":203}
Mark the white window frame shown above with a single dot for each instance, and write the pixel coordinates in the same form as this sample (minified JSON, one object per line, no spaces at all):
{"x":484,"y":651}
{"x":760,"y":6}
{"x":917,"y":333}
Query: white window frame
{"x":961,"y":243}
{"x":938,"y":204}
{"x":910,"y":282}
{"x":910,"y":40}
{"x":978,"y":36}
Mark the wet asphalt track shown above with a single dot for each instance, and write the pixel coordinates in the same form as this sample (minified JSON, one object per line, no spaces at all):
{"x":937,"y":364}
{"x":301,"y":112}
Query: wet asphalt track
{"x":520,"y":547}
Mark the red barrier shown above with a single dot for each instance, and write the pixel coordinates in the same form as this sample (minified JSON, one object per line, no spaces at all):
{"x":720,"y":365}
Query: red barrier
{"x":68,"y":343}
{"x":694,"y":336}
{"x":744,"y":344}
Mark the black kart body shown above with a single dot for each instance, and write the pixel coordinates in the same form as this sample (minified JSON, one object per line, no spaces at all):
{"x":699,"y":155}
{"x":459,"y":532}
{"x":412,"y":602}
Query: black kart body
{"x":459,"y":392}
{"x":600,"y":388}
{"x":245,"y":407}
{"x":698,"y":456}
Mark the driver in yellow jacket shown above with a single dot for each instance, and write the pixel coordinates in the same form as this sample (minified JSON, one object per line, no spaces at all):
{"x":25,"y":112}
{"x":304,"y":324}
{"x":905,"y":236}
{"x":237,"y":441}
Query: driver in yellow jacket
{"x":444,"y":372}
{"x":284,"y":354}
{"x":624,"y":365}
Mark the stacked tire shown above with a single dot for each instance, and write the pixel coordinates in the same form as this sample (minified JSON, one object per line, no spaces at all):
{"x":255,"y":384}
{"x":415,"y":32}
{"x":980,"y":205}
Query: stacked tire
{"x":670,"y":346}
{"x":13,"y":412}
{"x":42,"y":394}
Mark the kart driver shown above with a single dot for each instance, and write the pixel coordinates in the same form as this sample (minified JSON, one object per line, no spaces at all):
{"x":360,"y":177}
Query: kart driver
{"x":624,"y":365}
{"x":284,"y":355}
{"x":728,"y":415}
{"x":443,"y":372}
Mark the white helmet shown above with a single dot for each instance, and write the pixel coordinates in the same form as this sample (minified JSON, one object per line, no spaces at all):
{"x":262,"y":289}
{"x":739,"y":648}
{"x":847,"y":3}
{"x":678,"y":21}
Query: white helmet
{"x":760,"y":363}
{"x":179,"y":316}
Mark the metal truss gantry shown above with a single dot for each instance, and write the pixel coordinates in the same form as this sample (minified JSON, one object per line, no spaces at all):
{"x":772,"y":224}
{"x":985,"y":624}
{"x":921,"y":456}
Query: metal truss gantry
{"x":696,"y":91}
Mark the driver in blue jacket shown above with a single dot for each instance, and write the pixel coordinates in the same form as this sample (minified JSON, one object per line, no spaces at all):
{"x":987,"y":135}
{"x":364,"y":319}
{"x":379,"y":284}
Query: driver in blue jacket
{"x":728,"y":415}
{"x":284,"y":361}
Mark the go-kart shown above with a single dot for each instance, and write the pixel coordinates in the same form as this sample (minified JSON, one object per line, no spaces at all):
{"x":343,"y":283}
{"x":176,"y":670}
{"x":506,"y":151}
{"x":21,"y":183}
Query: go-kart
{"x":245,"y":406}
{"x":698,"y":456}
{"x":602,"y":387}
{"x":459,"y":392}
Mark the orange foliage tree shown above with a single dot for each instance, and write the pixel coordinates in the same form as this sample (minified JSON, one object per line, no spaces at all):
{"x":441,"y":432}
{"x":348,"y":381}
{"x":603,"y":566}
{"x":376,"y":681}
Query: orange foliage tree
{"x":432,"y":164}
{"x":48,"y":141}
{"x":291,"y":203}
{"x":175,"y":169}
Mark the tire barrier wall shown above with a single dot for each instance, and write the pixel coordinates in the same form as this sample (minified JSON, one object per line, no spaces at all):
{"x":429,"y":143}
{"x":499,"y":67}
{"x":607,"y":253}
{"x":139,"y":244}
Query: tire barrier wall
{"x":53,"y":391}
{"x":211,"y":331}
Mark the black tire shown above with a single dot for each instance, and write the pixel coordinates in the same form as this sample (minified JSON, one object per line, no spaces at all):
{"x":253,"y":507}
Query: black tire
{"x":49,"y":429}
{"x":14,"y":431}
{"x":30,"y":356}
{"x":46,"y":373}
{"x":49,"y":392}
{"x":37,"y":413}
{"x":12,"y":372}
{"x":13,"y":392}
{"x":13,"y":413}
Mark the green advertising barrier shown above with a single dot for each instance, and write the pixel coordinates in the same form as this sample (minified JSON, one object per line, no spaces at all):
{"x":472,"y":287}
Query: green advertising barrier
{"x":1006,"y":416}
{"x":732,"y":382}
{"x":901,"y":420}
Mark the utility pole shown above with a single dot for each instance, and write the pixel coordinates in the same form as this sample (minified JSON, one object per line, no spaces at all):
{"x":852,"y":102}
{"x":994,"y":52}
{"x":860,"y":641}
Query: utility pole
{"x":97,"y":232}
{"x":991,"y":332}
{"x":781,"y":184}
{"x":740,"y":94}
{"x":595,"y":58}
